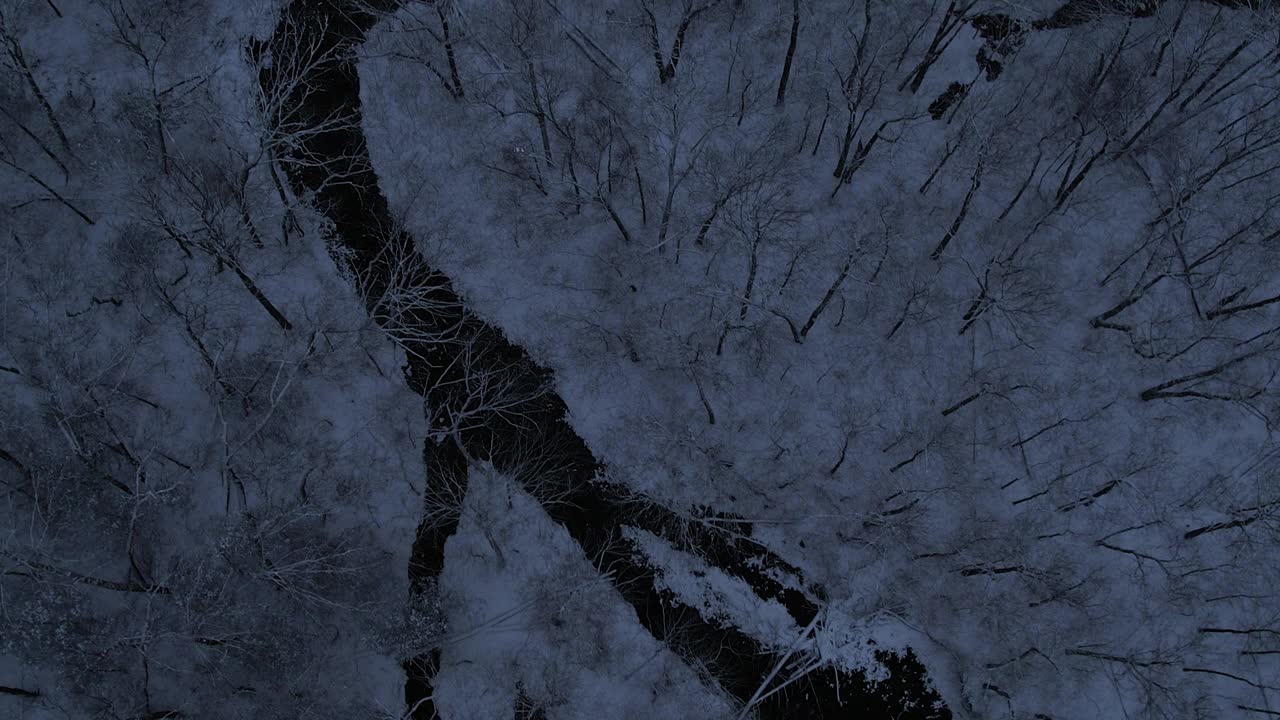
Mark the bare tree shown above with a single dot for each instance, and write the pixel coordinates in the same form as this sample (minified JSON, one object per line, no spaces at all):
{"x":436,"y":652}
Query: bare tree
{"x":419,"y":40}
{"x":21,"y":65}
{"x":791,"y":52}
{"x":145,"y":34}
{"x":690,"y":11}
{"x":952,"y":20}
{"x":680,"y":135}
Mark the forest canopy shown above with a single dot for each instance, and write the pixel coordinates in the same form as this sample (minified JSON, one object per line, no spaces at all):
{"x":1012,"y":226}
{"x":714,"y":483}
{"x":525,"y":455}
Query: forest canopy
{"x":639,"y":358}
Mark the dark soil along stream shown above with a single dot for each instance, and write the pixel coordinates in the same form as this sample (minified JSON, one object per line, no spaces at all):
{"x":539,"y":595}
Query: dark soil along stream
{"x":448,"y":348}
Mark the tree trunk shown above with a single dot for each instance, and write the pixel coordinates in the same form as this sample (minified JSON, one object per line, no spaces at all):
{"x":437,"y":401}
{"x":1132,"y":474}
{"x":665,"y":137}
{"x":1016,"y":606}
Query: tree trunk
{"x":257,"y":293}
{"x":665,"y":223}
{"x":822,"y":128}
{"x":57,"y":196}
{"x":644,"y":205}
{"x":752,"y":266}
{"x":655,"y":47}
{"x":1025,"y":184}
{"x":964,"y":210}
{"x":791,"y":51}
{"x":951,"y":150}
{"x":859,"y":157}
{"x":158,"y":109}
{"x":20,"y":60}
{"x":613,"y":215}
{"x":711,"y":217}
{"x":19,"y":692}
{"x":573,"y":178}
{"x":826,"y":300}
{"x":849,"y":131}
{"x":936,"y":48}
{"x":448,"y":51}
{"x":39,"y":143}
{"x":539,"y":113}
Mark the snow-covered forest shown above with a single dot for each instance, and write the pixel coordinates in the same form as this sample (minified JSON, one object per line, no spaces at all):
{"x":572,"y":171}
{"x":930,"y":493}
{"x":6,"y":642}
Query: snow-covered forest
{"x":580,"y":359}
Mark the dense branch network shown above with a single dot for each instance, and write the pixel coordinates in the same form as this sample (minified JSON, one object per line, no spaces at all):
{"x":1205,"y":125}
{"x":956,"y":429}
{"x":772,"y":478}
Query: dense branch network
{"x":490,"y":402}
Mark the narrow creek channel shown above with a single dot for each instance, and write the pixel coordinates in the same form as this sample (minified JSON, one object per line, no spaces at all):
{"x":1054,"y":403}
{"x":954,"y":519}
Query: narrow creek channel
{"x":447,"y":348}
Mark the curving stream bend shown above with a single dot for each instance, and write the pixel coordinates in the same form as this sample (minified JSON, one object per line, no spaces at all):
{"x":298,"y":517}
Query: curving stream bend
{"x":315,"y":116}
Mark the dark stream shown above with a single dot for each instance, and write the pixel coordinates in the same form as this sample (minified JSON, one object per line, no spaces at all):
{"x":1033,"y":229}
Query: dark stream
{"x":528,"y":438}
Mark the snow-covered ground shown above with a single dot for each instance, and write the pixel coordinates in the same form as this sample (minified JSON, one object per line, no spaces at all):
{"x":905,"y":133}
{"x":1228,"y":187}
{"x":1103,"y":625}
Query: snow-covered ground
{"x":1062,"y":509}
{"x":1031,"y":540}
{"x":203,"y":514}
{"x":529,"y":614}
